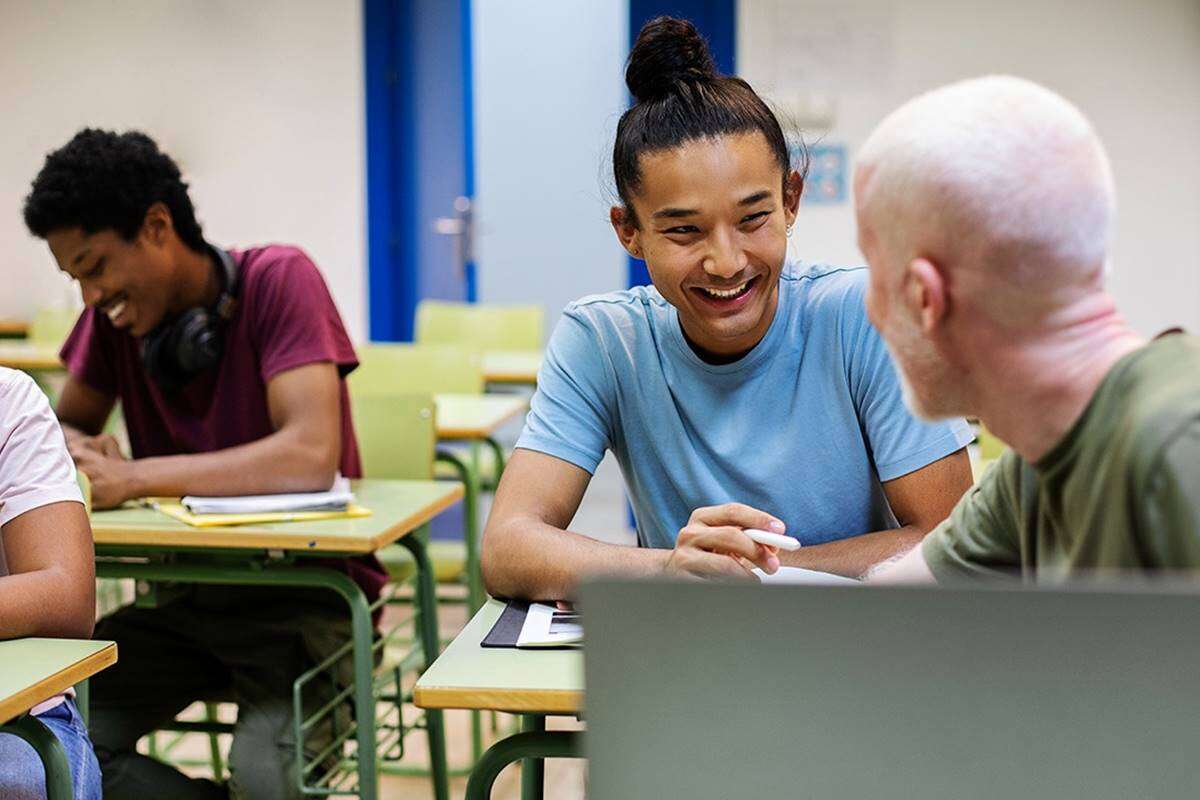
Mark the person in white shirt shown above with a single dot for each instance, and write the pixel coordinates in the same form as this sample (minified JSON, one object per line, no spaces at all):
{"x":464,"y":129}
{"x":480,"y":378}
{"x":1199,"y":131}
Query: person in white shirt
{"x":47,"y":574}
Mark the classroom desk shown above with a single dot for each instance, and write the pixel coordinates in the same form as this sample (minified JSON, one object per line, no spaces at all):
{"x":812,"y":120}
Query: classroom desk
{"x":29,"y":356}
{"x":139,"y":543}
{"x":533,"y":683}
{"x":34,"y":670}
{"x":511,"y":366}
{"x":474,"y":418}
{"x":13,"y":329}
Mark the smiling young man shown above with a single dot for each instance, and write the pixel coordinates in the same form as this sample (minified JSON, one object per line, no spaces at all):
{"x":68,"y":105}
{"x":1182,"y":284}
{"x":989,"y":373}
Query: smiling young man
{"x":739,"y":392}
{"x":229,"y":367}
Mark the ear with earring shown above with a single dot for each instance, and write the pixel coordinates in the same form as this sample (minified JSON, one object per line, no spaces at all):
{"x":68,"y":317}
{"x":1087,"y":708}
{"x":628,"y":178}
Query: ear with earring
{"x":789,"y":231}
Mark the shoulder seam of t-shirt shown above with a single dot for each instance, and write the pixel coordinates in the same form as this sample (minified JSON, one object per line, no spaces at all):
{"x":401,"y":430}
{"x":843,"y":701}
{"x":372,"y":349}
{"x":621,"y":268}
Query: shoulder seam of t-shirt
{"x":823,"y":271}
{"x":619,"y":297}
{"x":1155,"y":462}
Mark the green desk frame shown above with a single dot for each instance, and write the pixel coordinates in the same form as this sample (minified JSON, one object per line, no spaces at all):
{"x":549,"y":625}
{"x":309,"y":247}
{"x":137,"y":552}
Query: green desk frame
{"x":49,"y":750}
{"x":140,"y":544}
{"x":242,"y":569}
{"x":534,"y":684}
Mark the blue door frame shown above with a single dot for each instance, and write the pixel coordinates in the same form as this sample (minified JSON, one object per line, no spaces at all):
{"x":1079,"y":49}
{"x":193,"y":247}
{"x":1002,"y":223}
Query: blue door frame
{"x":414,"y":49}
{"x":717,"y":21}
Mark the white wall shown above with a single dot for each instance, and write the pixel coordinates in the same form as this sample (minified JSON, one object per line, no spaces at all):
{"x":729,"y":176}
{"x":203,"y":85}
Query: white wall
{"x":261,"y":103}
{"x":1133,"y":68}
{"x":549,"y":89}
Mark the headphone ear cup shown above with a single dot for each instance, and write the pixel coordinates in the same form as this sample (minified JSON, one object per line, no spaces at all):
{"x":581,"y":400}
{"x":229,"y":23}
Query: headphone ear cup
{"x":199,"y":341}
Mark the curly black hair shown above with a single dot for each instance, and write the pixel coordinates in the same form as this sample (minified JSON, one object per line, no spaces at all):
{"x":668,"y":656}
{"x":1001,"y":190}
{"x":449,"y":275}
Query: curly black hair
{"x":103,"y":180}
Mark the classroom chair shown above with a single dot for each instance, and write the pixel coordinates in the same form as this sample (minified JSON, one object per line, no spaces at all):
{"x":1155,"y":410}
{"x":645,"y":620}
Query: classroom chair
{"x":479,"y":326}
{"x":393,"y":368}
{"x":389,"y":370}
{"x":397,"y":441}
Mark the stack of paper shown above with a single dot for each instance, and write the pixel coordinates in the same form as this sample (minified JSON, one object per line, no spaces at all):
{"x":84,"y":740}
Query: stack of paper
{"x":337,"y":498}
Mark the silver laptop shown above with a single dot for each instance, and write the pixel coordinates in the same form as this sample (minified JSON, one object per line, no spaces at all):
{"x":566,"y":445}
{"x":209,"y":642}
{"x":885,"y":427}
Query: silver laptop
{"x":703,"y":691}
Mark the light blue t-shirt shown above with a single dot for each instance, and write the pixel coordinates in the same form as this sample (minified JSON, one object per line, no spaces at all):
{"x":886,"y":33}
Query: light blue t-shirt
{"x":805,"y":426}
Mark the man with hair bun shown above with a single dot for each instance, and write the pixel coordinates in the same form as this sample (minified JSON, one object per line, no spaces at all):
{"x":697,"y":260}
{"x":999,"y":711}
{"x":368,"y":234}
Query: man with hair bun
{"x":985,"y":211}
{"x":740,"y":392}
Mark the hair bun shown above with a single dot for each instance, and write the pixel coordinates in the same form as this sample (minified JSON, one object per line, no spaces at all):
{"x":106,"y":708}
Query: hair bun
{"x":668,"y":51}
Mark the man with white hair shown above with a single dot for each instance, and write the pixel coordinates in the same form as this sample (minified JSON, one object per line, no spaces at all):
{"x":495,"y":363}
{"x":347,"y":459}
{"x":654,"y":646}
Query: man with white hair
{"x":985,"y":211}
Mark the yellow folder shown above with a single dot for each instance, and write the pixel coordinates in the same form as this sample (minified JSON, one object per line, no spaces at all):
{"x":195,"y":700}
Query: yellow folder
{"x":176,"y":510}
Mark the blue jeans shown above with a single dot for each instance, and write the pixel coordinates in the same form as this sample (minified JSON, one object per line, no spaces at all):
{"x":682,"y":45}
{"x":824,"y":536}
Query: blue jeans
{"x":22,"y":776}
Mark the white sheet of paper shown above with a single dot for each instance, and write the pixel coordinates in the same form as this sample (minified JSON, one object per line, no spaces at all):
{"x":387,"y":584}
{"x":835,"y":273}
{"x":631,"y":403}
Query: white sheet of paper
{"x":540,"y":629}
{"x":337,"y":497}
{"x":808,"y":576}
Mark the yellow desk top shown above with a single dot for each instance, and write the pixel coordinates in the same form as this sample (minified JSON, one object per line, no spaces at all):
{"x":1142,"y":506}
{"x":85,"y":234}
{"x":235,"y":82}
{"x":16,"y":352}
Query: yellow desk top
{"x":511,"y":366}
{"x":475,"y":416}
{"x":468,"y":676}
{"x":398,"y":508}
{"x":29,"y":355}
{"x":34,"y":670}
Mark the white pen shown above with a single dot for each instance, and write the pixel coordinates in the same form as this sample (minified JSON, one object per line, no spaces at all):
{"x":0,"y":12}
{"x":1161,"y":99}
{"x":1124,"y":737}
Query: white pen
{"x":772,"y":539}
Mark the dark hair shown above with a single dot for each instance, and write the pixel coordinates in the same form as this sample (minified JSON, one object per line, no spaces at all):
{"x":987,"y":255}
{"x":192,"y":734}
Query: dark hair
{"x":102,"y":180}
{"x":679,"y":96}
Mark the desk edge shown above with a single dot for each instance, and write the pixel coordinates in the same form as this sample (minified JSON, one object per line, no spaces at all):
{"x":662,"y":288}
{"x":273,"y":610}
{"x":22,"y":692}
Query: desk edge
{"x":54,"y":684}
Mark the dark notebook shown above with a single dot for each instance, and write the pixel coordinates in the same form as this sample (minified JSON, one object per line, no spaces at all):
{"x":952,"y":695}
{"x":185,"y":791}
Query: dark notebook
{"x":507,"y":629}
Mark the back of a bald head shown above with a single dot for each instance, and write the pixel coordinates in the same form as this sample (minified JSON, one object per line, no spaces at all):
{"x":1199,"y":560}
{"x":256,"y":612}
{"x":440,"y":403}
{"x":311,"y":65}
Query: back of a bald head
{"x":995,"y":176}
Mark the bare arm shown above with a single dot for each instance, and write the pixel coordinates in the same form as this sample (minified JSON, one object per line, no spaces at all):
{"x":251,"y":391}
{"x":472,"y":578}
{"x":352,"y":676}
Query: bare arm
{"x":920,"y":500}
{"x":82,"y":411}
{"x":529,"y":553}
{"x":51,"y":589}
{"x":300,"y":455}
{"x":907,"y":568}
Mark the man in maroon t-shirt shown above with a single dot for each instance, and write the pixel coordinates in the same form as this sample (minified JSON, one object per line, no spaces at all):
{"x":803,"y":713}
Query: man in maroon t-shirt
{"x":259,"y":408}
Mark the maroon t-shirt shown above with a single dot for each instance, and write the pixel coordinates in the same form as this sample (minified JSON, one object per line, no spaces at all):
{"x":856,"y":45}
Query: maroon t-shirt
{"x":285,"y":318}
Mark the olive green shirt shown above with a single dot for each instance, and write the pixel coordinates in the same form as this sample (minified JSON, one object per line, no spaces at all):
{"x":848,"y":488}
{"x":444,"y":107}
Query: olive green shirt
{"x":1121,"y":491}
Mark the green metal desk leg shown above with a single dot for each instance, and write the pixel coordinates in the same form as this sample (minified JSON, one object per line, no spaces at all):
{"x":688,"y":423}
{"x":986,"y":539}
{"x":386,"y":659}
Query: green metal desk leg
{"x":82,"y":695}
{"x":468,"y":473}
{"x":533,"y":770}
{"x":475,"y":593}
{"x":427,"y":620}
{"x":50,"y":751}
{"x":529,"y":745}
{"x":361,"y":628}
{"x":501,"y":459}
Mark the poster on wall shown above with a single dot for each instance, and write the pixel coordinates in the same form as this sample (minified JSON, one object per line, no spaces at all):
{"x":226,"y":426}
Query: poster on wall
{"x":825,"y":184}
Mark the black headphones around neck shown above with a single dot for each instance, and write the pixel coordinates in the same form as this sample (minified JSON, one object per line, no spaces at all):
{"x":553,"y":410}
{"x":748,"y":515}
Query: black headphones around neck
{"x":183,"y":347}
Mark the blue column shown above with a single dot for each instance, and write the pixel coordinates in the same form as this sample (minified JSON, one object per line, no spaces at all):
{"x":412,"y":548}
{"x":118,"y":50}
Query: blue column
{"x":717,"y":21}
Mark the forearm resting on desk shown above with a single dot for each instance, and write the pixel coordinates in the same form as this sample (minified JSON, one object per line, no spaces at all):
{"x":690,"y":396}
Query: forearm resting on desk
{"x":279,"y":463}
{"x":526,"y":558}
{"x":854,"y":556}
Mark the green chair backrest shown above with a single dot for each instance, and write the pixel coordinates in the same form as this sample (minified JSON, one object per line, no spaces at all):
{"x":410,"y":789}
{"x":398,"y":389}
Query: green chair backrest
{"x":408,"y":368}
{"x":481,"y":327}
{"x":51,"y":325}
{"x":989,"y":446}
{"x":396,"y":435}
